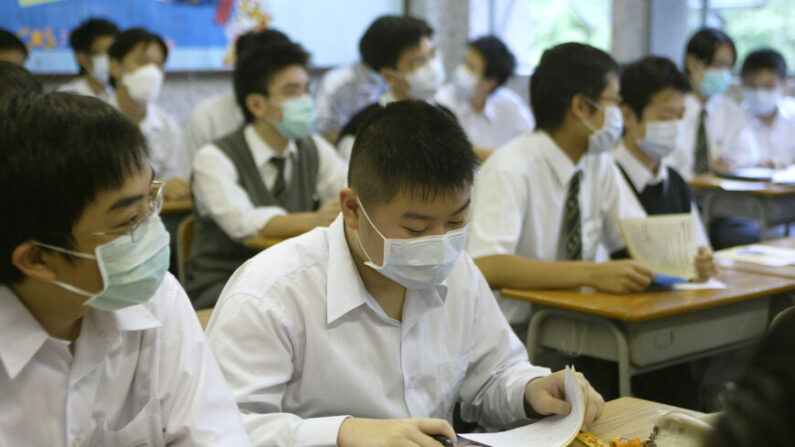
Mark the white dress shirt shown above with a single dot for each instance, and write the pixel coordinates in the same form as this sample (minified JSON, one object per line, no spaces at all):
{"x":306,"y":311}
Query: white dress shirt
{"x":303,"y":345}
{"x":504,"y":117}
{"x":211,"y":119}
{"x":343,"y":92}
{"x":163,"y":136}
{"x":642,"y":177}
{"x":218,"y":194}
{"x":518,"y":204}
{"x":141,"y":376}
{"x":80,"y":86}
{"x":775,"y":143}
{"x":727,"y":137}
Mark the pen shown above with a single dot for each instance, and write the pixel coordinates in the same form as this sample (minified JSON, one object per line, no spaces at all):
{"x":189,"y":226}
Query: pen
{"x":443,"y":440}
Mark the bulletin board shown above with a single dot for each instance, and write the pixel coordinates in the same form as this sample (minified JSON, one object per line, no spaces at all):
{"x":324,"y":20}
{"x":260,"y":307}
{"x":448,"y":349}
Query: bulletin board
{"x":199,"y":33}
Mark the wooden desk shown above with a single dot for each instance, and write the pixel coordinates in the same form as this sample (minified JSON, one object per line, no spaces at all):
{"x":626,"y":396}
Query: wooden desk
{"x":630,"y":417}
{"x":261,"y":243}
{"x":177,"y":206}
{"x":204,"y":316}
{"x":647,"y":331}
{"x":783,"y":272}
{"x":772,"y":203}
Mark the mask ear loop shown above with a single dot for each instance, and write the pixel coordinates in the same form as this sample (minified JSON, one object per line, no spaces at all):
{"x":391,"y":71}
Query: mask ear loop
{"x":358,"y":238}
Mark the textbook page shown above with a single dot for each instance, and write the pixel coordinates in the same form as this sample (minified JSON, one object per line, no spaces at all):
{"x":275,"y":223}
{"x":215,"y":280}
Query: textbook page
{"x":760,"y":254}
{"x":664,"y":244}
{"x":552,"y":431}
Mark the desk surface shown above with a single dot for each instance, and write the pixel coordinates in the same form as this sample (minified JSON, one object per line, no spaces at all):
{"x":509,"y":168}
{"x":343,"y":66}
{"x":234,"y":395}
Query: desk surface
{"x":783,"y":272}
{"x":713,"y":182}
{"x":261,"y":243}
{"x":652,"y":305}
{"x":630,"y":417}
{"x":177,"y":206}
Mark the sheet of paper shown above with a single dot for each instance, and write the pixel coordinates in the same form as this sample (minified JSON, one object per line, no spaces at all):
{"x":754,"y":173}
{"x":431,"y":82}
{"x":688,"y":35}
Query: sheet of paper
{"x":739,"y":185}
{"x":552,"y":431}
{"x":710,"y":284}
{"x":761,"y":254}
{"x":664,"y":244}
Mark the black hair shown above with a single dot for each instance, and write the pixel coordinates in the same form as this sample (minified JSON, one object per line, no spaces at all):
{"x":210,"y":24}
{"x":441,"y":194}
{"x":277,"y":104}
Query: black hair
{"x":412,"y":147}
{"x":765,"y":59}
{"x":57,"y":152}
{"x":14,"y":78}
{"x":84,"y":35}
{"x":564,"y":71}
{"x":500,"y":62}
{"x":253,"y":72}
{"x":130,"y":38}
{"x":255,"y":39}
{"x":388,"y":36}
{"x":9,"y":41}
{"x":643,"y":79}
{"x":705,"y":42}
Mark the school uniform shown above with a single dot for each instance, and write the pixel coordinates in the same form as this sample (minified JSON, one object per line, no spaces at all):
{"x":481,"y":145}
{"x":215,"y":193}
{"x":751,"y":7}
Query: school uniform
{"x":519,"y":201}
{"x":504,"y":116}
{"x":234,"y":188}
{"x":304,"y":345}
{"x":213,"y":118}
{"x":344,"y":91}
{"x":140,"y":376}
{"x":775,"y":143}
{"x":80,"y":86}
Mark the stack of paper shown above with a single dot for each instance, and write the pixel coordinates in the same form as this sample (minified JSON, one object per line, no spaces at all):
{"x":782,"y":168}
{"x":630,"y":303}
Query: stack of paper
{"x":552,"y":431}
{"x":761,"y":254}
{"x":663,"y":244}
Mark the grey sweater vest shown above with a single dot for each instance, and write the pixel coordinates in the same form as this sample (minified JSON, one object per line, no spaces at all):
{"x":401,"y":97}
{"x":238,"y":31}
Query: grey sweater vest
{"x":214,"y":256}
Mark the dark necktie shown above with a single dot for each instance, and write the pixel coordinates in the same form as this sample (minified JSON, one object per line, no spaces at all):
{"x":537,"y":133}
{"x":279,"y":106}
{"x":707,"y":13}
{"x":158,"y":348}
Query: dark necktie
{"x":279,"y":186}
{"x":571,"y":221}
{"x":703,"y":164}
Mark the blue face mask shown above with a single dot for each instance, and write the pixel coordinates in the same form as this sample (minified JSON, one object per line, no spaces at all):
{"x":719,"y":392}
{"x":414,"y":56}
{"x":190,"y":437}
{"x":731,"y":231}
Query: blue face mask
{"x":132,"y":266}
{"x":715,"y":82}
{"x":298,"y":117}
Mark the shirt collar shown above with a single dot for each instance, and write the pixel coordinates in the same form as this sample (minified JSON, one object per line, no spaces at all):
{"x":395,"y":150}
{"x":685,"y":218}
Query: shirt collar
{"x":640,"y":176}
{"x":260,"y":150}
{"x":387,"y":98}
{"x":135,"y":318}
{"x":19,"y":325}
{"x":558,"y":161}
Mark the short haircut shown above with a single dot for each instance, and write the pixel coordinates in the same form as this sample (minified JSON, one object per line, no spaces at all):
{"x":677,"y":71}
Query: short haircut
{"x":84,"y":35}
{"x":126,"y":41}
{"x":705,"y":42}
{"x":14,"y":78}
{"x":9,"y":41}
{"x":564,"y":71}
{"x":57,"y":152}
{"x":255,"y":39}
{"x":388,"y":37}
{"x":254,"y":71}
{"x":765,"y":59}
{"x":500,"y":62}
{"x":643,"y":79}
{"x":411,"y":147}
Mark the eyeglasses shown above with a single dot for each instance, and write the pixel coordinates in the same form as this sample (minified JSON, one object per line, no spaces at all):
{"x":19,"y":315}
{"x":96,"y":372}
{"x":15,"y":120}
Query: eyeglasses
{"x":133,"y":227}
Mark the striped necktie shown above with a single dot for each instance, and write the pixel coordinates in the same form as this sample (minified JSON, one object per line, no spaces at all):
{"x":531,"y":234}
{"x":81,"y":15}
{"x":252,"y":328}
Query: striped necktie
{"x":703,"y":164}
{"x":280,"y":185}
{"x":571,"y":222}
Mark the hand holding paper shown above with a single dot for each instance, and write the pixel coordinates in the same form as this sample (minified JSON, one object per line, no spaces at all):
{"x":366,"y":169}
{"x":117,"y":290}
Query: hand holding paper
{"x":665,"y":244}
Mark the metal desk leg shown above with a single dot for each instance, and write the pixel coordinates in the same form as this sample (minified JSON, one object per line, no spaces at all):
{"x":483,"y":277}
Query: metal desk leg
{"x":763,"y":210}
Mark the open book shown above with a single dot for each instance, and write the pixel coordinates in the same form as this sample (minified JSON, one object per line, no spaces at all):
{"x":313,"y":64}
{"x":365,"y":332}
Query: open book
{"x":664,"y":244}
{"x":552,"y":431}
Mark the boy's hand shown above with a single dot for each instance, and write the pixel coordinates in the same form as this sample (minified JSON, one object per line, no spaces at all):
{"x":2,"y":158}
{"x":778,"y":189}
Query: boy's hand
{"x":546,"y":395}
{"x":625,"y":276}
{"x":357,"y":432}
{"x":705,"y":265}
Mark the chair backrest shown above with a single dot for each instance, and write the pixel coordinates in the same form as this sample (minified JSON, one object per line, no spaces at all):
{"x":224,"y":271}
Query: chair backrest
{"x":185,"y":234}
{"x":204,"y":316}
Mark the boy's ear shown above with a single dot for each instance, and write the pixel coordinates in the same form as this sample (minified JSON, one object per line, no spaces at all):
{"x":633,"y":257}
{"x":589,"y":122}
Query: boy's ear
{"x":350,"y":208}
{"x":256,"y":104}
{"x":33,"y":261}
{"x":628,"y":115}
{"x":580,"y":107}
{"x":115,"y":69}
{"x":84,"y":60}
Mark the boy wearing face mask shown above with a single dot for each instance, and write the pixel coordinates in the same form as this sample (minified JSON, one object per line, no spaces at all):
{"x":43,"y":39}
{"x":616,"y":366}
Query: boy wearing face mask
{"x":771,"y":115}
{"x":271,"y":177}
{"x":137,"y":58}
{"x":490,"y":114}
{"x":90,"y":42}
{"x":96,"y":337}
{"x":368,"y":332}
{"x":543,"y":202}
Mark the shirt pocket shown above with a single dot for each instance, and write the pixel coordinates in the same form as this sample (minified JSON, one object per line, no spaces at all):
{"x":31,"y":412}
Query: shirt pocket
{"x":144,"y":430}
{"x":451,"y":374}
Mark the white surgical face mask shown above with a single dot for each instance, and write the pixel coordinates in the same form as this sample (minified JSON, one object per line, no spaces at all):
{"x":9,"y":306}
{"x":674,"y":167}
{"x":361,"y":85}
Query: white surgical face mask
{"x":417,"y":263}
{"x":662,"y":138}
{"x":761,"y":101}
{"x":464,"y":82}
{"x":426,"y":79}
{"x":144,"y":84}
{"x":100,"y":67}
{"x":604,"y":139}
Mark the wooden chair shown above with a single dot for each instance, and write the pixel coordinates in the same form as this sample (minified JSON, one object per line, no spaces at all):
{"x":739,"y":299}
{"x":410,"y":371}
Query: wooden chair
{"x":185,"y":234}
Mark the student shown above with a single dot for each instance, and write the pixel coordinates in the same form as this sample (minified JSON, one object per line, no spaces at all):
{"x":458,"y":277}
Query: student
{"x":219,"y":115}
{"x":266,"y":178}
{"x":137,"y":57}
{"x":771,"y":115}
{"x":12,"y":49}
{"x":543,"y":202}
{"x":90,"y":42}
{"x":712,"y":139}
{"x":346,"y":90}
{"x":98,"y":343}
{"x":490,"y":114}
{"x":653,"y":92}
{"x":339,"y":336}
{"x":15,"y":78}
{"x":405,"y":58}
